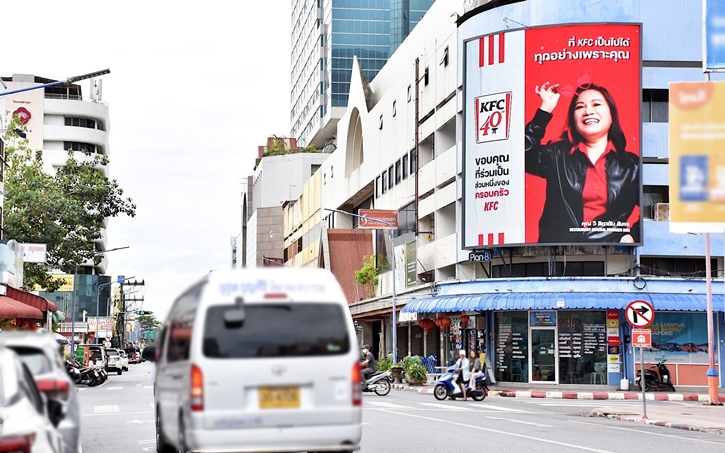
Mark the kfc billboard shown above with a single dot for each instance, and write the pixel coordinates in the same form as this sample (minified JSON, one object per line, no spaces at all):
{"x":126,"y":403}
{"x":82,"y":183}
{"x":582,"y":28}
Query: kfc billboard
{"x":552,"y":150}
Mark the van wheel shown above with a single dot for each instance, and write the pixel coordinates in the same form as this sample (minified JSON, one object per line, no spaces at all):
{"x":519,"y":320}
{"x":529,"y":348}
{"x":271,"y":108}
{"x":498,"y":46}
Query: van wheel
{"x":119,"y":372}
{"x":181,"y":443}
{"x":161,"y":445}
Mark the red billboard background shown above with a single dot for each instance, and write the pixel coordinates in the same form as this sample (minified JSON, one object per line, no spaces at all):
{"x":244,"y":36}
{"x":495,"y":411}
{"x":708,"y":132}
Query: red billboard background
{"x":575,"y":66}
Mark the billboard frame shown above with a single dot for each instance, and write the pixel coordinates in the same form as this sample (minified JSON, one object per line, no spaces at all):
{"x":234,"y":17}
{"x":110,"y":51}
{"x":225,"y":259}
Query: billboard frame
{"x":464,"y":93}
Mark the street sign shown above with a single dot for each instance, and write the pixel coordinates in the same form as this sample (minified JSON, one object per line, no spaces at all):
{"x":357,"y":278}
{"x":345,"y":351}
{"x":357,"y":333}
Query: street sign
{"x":640,"y":313}
{"x":121,"y":279}
{"x":641,"y":338}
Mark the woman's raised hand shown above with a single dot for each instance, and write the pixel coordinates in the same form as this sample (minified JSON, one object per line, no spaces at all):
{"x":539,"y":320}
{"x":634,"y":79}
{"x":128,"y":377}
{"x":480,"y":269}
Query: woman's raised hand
{"x":549,"y":96}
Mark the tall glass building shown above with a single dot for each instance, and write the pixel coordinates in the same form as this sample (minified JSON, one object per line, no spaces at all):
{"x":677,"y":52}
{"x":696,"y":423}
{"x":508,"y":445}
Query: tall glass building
{"x":326,"y":35}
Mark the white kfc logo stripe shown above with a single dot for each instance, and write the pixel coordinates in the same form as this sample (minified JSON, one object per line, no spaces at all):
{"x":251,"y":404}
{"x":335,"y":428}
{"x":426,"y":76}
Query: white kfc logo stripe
{"x":491,"y":49}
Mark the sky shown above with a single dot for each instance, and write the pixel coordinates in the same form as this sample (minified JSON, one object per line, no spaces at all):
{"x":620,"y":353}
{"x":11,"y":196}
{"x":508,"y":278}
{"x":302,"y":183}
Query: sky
{"x":194,"y":88}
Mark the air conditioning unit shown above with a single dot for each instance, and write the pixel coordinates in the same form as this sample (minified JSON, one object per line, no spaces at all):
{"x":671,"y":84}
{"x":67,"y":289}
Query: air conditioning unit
{"x":661,"y":211}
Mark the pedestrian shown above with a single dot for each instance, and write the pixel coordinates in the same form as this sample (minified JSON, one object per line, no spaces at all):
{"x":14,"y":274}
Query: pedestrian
{"x":462,"y":366}
{"x":475,"y":370}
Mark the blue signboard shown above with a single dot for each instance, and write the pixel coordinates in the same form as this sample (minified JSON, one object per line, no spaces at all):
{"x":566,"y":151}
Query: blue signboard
{"x":714,"y":35}
{"x":121,"y":278}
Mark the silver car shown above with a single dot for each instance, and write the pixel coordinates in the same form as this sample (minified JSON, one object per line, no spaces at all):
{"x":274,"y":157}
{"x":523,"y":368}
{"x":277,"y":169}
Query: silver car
{"x":42,"y":355}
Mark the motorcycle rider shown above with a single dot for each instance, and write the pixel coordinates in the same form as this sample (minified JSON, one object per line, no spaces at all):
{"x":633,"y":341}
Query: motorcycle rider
{"x":462,"y":366}
{"x":475,"y":370}
{"x":367,"y":364}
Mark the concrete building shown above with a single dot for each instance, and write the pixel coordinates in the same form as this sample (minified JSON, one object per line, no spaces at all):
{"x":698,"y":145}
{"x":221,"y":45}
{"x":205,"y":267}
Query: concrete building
{"x":60,"y":118}
{"x":401,"y":146}
{"x":326,"y":35}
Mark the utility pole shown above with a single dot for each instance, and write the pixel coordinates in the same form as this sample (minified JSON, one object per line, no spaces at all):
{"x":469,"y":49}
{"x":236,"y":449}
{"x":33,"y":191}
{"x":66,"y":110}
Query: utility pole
{"x":122,"y":317}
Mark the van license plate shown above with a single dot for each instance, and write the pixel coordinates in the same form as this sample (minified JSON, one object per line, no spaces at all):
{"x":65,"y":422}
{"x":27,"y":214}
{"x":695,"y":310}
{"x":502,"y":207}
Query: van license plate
{"x":279,"y":397}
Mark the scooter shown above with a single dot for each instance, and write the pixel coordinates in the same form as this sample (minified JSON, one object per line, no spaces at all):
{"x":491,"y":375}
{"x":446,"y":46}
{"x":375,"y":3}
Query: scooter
{"x":446,"y":385}
{"x":378,"y":382}
{"x":655,"y":379}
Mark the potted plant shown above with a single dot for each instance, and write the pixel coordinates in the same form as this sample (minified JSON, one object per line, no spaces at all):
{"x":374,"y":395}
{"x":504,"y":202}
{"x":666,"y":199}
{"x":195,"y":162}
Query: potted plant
{"x":416,"y":374}
{"x":397,"y":370}
{"x":385,"y":364}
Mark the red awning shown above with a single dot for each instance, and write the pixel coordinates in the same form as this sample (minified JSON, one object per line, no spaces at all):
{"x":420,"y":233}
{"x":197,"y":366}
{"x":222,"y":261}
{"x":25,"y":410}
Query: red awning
{"x":10,"y":308}
{"x":41,"y":303}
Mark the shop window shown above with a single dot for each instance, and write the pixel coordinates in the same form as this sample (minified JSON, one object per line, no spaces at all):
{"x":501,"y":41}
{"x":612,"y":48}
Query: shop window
{"x":405,"y":166}
{"x":678,"y":267}
{"x":398,"y":173}
{"x":512,"y":346}
{"x":385,"y":182}
{"x":391,"y":177}
{"x":655,"y":105}
{"x":583,"y":347}
{"x":377,"y":187}
{"x":652,"y":195}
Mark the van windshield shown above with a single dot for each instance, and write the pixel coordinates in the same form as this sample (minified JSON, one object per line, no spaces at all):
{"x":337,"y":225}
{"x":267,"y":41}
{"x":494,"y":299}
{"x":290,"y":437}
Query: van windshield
{"x":277,"y":330}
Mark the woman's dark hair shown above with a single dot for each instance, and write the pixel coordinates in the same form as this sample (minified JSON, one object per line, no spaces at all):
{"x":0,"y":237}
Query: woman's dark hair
{"x":616,"y":135}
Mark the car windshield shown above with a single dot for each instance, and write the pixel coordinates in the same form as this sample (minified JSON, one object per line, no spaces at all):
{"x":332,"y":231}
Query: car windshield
{"x":111,"y":352}
{"x":35,"y":360}
{"x":277,"y":330}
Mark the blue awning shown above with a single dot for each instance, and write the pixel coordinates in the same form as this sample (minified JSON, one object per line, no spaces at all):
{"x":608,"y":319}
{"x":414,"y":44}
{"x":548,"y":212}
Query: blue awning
{"x":548,"y":301}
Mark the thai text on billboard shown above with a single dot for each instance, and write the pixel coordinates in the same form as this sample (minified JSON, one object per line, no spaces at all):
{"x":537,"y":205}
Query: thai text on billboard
{"x":552,"y":136}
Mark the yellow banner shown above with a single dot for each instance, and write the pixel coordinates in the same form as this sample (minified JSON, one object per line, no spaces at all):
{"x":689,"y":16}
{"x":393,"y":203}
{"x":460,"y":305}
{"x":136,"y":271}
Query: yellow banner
{"x":697,"y":156}
{"x":66,"y":286}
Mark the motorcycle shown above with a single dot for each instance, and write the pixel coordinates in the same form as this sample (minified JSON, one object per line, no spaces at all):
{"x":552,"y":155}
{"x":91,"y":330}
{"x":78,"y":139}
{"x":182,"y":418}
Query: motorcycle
{"x":378,"y":382}
{"x":655,"y":379}
{"x":446,"y":385}
{"x":84,"y":375}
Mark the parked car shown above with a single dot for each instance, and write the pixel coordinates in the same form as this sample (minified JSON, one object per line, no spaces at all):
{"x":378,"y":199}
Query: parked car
{"x":29,"y":418}
{"x":134,"y":355}
{"x":41,"y":354}
{"x":114,"y":361}
{"x":304,"y":375}
{"x":124,"y":359}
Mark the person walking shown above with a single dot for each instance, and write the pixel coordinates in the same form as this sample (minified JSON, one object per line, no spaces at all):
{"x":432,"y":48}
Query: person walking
{"x":475,"y":370}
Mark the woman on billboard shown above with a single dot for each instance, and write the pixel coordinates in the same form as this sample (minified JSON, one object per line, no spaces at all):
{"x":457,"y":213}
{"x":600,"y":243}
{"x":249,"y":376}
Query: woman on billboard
{"x":592,"y":182}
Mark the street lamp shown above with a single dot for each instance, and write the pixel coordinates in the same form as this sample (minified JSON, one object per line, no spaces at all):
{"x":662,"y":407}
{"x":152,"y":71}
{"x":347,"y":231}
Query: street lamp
{"x":390,"y":225}
{"x":73,"y":311}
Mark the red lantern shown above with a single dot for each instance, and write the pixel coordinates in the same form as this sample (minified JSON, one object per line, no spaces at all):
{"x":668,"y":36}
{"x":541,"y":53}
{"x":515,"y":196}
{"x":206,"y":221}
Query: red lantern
{"x":426,"y":324}
{"x":464,"y":321}
{"x":445,"y":322}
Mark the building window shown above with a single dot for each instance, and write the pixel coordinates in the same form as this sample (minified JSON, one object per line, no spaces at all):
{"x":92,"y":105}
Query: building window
{"x":425,"y":77}
{"x":390,"y":177}
{"x":324,"y":179}
{"x":314,"y":168}
{"x":398,"y":173}
{"x":385,"y":181}
{"x":332,"y":172}
{"x":395,"y":112}
{"x":81,"y":146}
{"x":81,"y":122}
{"x":377,"y":187}
{"x":412,"y":161}
{"x":655,"y":105}
{"x":406,"y":219}
{"x":380,"y":124}
{"x":405,"y":166}
{"x":677,"y":267}
{"x":410,"y":93}
{"x":444,"y":60}
{"x":651,"y":196}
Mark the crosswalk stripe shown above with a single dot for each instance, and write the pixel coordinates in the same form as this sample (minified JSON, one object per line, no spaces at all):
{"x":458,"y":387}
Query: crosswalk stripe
{"x":387,"y":405}
{"x":520,"y":421}
{"x":148,"y":386}
{"x":80,"y":389}
{"x":114,"y":388}
{"x":485,"y":406}
{"x":105,"y":409}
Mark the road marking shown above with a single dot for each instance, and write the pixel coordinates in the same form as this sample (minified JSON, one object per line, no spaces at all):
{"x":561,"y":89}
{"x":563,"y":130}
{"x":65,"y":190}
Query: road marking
{"x":497,"y":431}
{"x":138,"y":422}
{"x":388,"y":405}
{"x":449,"y":407}
{"x":501,"y":408}
{"x":138,"y":385}
{"x":81,"y":389}
{"x":646,"y":432}
{"x":150,"y":441}
{"x":519,"y":421}
{"x":105,"y":409}
{"x":148,"y":386}
{"x":114,"y":388}
{"x":118,"y":413}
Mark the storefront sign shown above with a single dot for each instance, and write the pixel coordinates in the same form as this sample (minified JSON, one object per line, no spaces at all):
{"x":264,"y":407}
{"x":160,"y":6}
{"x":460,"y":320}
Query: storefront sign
{"x":613,"y":341}
{"x":613,"y":323}
{"x":614,"y":368}
{"x":614,"y":350}
{"x":641,"y":338}
{"x":479,"y":256}
{"x":407,"y":317}
{"x":612,"y":332}
{"x":377,"y":219}
{"x":543,"y":318}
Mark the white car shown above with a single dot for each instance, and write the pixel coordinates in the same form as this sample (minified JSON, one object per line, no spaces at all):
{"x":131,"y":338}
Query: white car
{"x":262,"y":360}
{"x":28,"y":418}
{"x":114,"y":361}
{"x":39,"y":351}
{"x":124,"y":360}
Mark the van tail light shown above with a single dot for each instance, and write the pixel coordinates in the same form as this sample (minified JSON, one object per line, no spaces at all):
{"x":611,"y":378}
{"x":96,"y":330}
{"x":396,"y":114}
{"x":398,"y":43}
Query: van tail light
{"x":16,"y":444}
{"x":54,"y":388}
{"x":356,"y":384}
{"x":197,"y":389}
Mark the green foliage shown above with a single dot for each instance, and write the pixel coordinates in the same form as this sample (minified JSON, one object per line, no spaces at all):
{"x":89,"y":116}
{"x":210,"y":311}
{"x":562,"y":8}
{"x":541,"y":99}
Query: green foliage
{"x":367,"y":275}
{"x":385,"y":364}
{"x":149,"y":322}
{"x":65,"y":210}
{"x":416,"y":372}
{"x":409,"y":361}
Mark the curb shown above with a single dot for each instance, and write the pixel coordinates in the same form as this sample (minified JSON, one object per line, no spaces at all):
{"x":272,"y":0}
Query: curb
{"x":629,"y":418}
{"x":576,"y":395}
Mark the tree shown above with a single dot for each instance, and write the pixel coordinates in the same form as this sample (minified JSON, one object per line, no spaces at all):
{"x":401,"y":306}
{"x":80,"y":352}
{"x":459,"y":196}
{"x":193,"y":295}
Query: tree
{"x":149,"y":322}
{"x":65,"y":210}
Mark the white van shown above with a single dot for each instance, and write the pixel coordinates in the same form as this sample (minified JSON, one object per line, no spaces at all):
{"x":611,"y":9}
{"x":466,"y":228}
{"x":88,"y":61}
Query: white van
{"x":261,"y":359}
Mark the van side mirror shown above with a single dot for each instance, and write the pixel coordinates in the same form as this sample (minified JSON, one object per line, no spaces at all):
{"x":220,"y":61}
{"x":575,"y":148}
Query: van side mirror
{"x":149,"y":353}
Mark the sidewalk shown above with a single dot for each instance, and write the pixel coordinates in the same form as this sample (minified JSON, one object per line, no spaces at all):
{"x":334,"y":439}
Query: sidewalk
{"x":693,"y":417}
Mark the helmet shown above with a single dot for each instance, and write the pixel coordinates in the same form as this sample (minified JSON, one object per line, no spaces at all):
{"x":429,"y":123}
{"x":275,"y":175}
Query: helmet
{"x":367,"y":346}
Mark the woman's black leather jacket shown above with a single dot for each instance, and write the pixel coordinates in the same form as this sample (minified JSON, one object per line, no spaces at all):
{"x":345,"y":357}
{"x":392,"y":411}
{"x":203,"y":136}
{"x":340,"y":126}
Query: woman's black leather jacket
{"x":565,"y":172}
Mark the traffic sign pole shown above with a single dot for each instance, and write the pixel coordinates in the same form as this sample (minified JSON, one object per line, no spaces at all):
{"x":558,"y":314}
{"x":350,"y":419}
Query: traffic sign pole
{"x":642,"y":383}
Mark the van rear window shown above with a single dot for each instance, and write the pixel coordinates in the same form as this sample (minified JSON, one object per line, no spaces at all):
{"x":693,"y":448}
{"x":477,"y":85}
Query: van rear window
{"x":277,"y":330}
